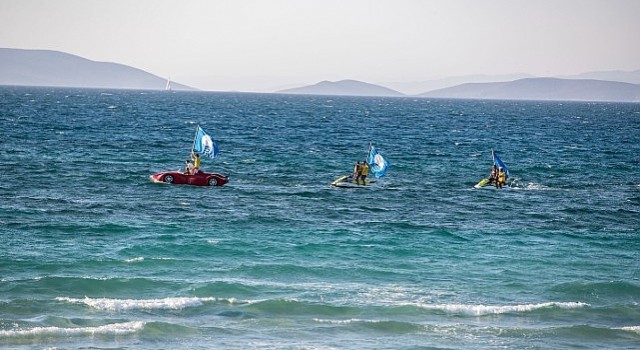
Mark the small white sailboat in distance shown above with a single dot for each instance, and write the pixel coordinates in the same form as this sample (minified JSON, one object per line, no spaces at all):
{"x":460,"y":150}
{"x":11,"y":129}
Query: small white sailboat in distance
{"x":167,"y":87}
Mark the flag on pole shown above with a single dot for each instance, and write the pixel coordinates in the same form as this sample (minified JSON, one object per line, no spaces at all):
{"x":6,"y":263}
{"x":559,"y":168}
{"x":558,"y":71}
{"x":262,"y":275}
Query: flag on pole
{"x":377,"y":164}
{"x":204,"y":144}
{"x":498,"y":162}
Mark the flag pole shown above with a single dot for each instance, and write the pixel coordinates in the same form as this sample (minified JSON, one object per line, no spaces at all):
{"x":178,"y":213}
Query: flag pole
{"x":193,"y":146}
{"x":195,"y":137}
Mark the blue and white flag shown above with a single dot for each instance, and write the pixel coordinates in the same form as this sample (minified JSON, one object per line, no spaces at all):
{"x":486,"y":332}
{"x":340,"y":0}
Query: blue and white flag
{"x":204,"y":144}
{"x":377,"y":164}
{"x":498,"y":162}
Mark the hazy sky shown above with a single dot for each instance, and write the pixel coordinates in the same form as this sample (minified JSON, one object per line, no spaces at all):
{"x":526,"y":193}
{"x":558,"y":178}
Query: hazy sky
{"x":262,"y":45}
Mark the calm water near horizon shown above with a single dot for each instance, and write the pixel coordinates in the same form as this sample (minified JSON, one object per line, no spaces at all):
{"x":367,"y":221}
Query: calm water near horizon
{"x":95,"y":255}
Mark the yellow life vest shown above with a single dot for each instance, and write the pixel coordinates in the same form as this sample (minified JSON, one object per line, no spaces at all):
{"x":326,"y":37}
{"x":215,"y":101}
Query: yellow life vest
{"x":196,"y":162}
{"x":365,"y":169}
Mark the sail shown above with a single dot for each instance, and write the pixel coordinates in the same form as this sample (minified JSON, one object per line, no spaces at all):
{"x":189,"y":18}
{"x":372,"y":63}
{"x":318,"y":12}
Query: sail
{"x":204,"y":144}
{"x":377,"y":164}
{"x":498,"y":162}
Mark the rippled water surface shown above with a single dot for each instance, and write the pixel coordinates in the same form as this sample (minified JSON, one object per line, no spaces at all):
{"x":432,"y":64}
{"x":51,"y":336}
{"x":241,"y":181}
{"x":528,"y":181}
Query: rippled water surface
{"x":95,"y":255}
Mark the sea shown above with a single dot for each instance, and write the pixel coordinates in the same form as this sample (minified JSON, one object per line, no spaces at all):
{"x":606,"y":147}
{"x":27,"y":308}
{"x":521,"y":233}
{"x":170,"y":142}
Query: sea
{"x":94,"y":255}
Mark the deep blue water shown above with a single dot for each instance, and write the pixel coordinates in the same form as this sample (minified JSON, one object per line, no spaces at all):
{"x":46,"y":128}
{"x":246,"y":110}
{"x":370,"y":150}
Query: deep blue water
{"x":95,"y":255}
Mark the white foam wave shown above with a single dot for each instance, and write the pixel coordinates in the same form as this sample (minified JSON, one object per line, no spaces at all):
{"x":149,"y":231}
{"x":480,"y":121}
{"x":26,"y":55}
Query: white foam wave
{"x":138,"y":259}
{"x":110,"y":329}
{"x":536,"y":187}
{"x":480,"y":310}
{"x":635,"y":329}
{"x":349,"y":321}
{"x":134,"y":304}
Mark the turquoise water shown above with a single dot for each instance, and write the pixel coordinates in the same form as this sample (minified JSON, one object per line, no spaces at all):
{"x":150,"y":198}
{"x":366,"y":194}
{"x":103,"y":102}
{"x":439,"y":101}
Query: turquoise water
{"x":94,"y":255}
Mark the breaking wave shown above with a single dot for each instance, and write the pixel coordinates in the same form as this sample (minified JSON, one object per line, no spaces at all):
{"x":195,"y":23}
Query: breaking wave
{"x":481,"y":310}
{"x":110,"y":329}
{"x":136,"y":304}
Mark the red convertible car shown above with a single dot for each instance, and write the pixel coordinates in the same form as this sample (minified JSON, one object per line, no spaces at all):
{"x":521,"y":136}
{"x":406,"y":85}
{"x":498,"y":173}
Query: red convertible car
{"x":199,"y":179}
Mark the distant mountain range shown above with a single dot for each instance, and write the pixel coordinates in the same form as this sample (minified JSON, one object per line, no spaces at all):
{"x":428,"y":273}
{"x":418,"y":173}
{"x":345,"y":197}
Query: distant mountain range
{"x":419,"y":87}
{"x":59,"y":69}
{"x":544,"y":89}
{"x":520,"y":89}
{"x":632,"y":77}
{"x":344,"y":87}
